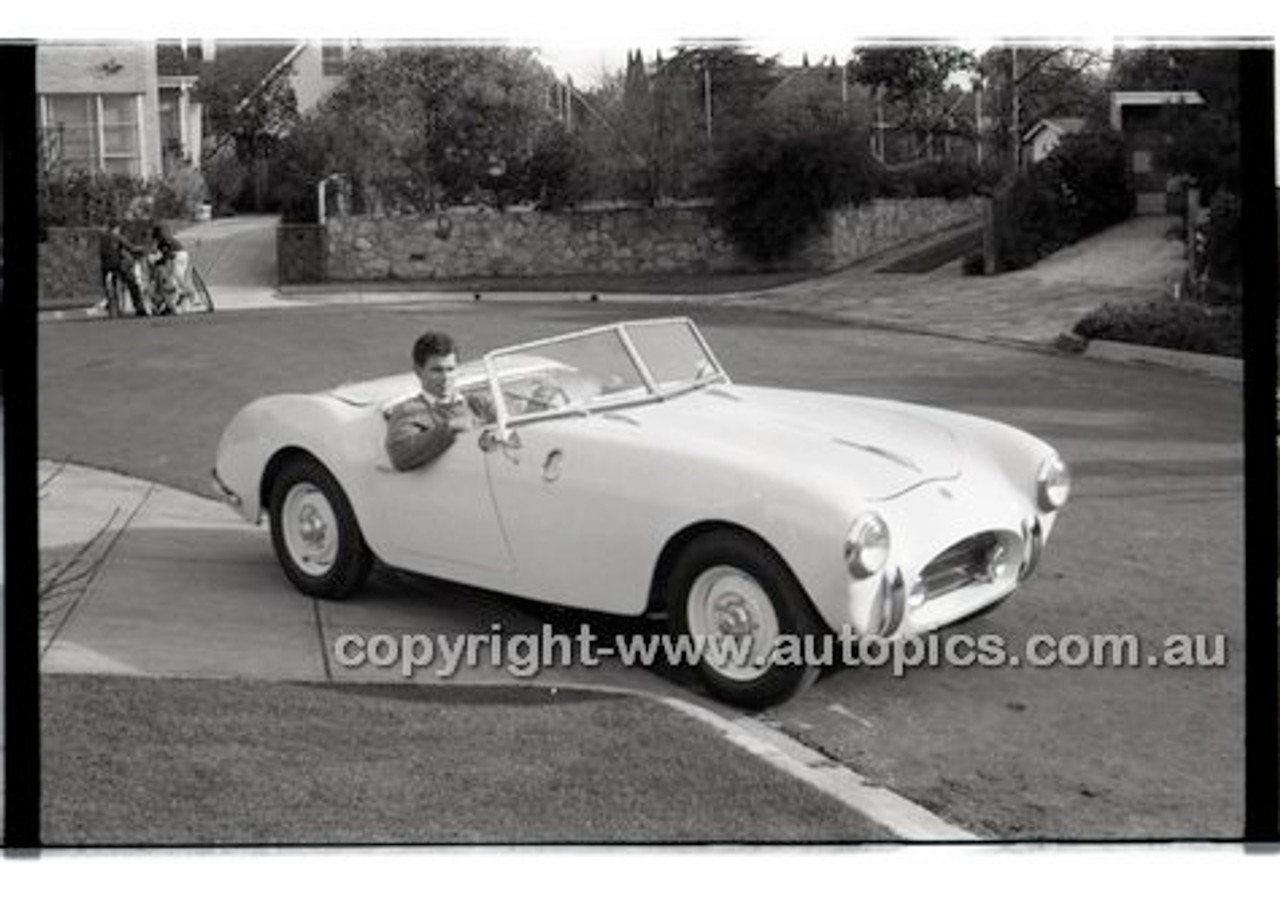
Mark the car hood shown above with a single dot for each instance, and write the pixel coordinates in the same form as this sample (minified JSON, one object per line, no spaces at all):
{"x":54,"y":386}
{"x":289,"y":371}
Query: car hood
{"x":886,"y":447}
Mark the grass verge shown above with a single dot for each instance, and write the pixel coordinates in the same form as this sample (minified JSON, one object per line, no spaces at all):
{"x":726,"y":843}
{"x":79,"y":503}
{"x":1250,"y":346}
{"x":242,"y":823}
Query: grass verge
{"x":132,"y":761}
{"x":1173,"y":325}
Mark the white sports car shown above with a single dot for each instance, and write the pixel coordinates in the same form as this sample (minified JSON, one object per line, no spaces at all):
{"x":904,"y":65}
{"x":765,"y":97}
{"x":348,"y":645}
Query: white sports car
{"x":619,"y":469}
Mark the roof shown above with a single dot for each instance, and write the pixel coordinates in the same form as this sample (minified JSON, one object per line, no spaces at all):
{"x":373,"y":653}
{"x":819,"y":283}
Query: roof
{"x":1154,"y":98}
{"x":1121,"y":99}
{"x":250,"y":62}
{"x":1060,"y":126}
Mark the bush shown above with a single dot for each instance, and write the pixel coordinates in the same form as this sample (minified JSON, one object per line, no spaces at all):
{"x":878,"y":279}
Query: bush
{"x":1224,"y":285}
{"x":1174,"y":325}
{"x":772,"y":191}
{"x":295,"y":173}
{"x":226,"y":178}
{"x":1030,"y":222}
{"x":1079,"y":189}
{"x":553,"y":176}
{"x":69,"y":198}
{"x":178,"y":194}
{"x":1088,"y":173}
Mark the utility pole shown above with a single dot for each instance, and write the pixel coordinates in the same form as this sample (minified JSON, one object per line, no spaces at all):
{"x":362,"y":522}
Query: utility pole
{"x":977,"y":115}
{"x":844,"y":89}
{"x":880,"y":119}
{"x":1016,"y":148}
{"x":706,"y":91}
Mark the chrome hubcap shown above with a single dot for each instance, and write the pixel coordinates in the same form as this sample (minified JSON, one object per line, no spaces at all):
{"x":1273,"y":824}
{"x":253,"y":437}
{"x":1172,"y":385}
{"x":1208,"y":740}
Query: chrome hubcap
{"x":726,"y":603}
{"x":733,"y":616}
{"x":310,"y":529}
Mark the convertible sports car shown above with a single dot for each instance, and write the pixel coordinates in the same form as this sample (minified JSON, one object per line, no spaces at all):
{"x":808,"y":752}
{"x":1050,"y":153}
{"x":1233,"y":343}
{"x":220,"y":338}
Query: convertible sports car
{"x":619,"y":469}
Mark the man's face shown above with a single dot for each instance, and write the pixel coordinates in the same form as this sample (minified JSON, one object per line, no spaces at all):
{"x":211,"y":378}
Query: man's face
{"x":437,"y":376}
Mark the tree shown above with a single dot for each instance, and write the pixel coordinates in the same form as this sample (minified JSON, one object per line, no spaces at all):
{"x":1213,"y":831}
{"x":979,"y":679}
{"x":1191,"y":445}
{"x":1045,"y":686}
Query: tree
{"x":913,"y":77}
{"x":1026,"y":84}
{"x":247,"y":112}
{"x":704,"y":99}
{"x":416,"y":127}
{"x":913,"y":93}
{"x":772,"y":190}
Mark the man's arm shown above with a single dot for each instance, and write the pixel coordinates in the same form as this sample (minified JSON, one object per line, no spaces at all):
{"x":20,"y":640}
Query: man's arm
{"x":414,"y":438}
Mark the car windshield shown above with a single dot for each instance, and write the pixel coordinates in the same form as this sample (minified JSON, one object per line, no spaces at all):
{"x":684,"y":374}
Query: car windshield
{"x":601,"y":368}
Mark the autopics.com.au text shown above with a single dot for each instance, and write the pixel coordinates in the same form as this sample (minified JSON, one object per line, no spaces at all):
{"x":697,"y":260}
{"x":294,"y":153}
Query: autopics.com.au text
{"x":525,"y":654}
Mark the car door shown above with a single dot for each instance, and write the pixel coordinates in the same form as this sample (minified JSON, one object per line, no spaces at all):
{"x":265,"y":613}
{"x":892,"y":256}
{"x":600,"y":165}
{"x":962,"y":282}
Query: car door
{"x":584,"y":530}
{"x":438,"y":519}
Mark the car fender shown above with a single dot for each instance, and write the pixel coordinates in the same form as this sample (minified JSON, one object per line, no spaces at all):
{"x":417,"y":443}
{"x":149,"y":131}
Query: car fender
{"x":259,"y":432}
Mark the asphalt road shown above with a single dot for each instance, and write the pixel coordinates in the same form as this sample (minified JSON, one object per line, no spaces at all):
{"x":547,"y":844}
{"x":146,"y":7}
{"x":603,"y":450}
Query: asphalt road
{"x":1150,"y":546}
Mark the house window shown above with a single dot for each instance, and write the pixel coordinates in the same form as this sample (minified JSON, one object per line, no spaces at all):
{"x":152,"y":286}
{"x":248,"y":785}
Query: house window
{"x":94,"y":132}
{"x":333,"y":58}
{"x":1141,"y":162}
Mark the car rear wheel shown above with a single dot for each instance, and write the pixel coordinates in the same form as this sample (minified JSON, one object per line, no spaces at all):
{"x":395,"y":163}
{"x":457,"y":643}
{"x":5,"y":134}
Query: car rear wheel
{"x":315,"y":533}
{"x":734,"y":598}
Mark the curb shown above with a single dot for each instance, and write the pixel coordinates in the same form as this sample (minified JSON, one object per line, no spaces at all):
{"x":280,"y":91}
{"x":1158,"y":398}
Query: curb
{"x":1224,"y":368}
{"x":75,"y":313}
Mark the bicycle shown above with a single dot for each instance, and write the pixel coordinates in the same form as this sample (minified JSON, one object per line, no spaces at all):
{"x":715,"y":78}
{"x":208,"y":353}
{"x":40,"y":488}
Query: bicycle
{"x":158,"y":293}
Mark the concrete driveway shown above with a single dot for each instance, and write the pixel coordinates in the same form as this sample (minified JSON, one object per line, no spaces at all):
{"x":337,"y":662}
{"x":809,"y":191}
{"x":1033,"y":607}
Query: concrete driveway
{"x":1133,"y":262}
{"x":237,"y":258}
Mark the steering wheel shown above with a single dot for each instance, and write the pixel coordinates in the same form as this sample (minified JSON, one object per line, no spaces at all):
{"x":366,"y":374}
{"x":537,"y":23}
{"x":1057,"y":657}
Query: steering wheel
{"x":550,"y":395}
{"x":545,"y":396}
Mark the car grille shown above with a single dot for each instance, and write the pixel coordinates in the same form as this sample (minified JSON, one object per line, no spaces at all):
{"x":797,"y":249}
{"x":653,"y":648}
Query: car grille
{"x":964,"y":563}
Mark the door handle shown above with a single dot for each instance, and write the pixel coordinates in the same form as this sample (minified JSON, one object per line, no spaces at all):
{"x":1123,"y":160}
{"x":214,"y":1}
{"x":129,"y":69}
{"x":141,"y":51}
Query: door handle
{"x":551,"y":466}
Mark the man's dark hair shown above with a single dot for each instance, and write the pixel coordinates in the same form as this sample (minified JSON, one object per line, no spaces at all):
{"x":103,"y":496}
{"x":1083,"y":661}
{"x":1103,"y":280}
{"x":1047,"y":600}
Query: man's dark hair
{"x":432,"y":343}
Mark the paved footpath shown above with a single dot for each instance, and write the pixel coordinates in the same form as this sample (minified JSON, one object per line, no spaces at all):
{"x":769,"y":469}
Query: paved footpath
{"x":149,"y":580}
{"x":143,"y":580}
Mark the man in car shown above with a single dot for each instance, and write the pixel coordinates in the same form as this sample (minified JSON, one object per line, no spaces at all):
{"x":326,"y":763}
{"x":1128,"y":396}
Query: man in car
{"x":424,"y":426}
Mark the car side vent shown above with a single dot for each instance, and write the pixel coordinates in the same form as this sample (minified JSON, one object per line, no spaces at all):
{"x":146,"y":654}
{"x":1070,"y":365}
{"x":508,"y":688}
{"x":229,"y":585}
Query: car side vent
{"x":618,"y":416}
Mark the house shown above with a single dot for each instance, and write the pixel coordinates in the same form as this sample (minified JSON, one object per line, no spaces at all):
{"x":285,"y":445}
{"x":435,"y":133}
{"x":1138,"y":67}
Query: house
{"x":1138,"y":115}
{"x":129,"y":107}
{"x":99,"y":106}
{"x":1043,"y":137}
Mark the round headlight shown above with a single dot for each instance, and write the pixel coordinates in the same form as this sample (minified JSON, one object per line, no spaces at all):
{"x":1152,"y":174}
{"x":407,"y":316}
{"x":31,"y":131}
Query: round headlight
{"x":1053,"y":484}
{"x":866,"y":549}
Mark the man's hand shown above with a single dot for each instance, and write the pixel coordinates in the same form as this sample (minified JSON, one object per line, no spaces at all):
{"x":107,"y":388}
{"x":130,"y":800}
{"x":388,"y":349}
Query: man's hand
{"x":459,"y":418}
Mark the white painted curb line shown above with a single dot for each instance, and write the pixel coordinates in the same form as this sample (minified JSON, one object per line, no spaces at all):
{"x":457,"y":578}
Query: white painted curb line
{"x":897,"y":814}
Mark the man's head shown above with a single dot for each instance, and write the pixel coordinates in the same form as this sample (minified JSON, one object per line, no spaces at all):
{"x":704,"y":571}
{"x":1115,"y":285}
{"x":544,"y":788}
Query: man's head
{"x":435,"y":360}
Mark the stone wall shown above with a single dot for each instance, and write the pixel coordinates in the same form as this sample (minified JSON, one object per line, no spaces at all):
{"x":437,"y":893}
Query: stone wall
{"x":68,"y":265}
{"x":461,"y":243}
{"x":484,"y":242}
{"x":860,"y":231}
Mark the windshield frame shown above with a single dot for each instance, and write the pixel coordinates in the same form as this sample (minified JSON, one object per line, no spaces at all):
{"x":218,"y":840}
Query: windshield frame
{"x":653,"y":391}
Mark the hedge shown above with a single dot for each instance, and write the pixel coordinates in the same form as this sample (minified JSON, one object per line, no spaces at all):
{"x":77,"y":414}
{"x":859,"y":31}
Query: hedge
{"x":1172,"y":324}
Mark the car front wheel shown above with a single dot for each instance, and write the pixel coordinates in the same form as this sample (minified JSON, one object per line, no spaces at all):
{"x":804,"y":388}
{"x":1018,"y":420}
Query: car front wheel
{"x":315,"y":533}
{"x":734,"y":600}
